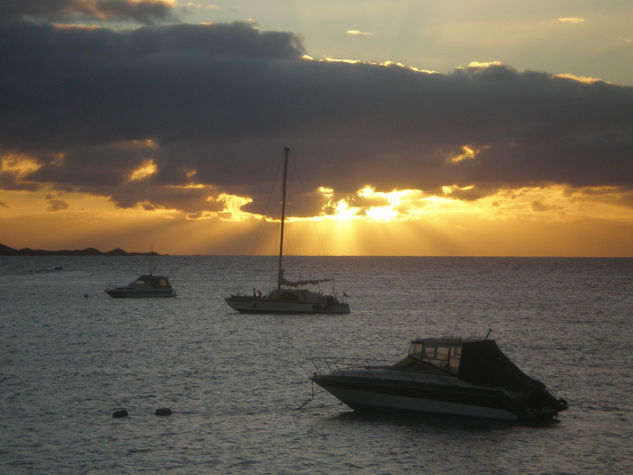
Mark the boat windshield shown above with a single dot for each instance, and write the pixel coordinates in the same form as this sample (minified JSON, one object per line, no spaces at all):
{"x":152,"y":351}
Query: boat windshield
{"x":152,"y":281}
{"x":441,"y":353}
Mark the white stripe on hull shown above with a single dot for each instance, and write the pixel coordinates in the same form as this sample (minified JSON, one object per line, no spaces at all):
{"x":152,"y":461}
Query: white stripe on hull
{"x":352,"y":397}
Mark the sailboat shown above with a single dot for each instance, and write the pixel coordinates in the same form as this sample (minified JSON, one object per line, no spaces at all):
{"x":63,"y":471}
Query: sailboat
{"x":288,"y":296}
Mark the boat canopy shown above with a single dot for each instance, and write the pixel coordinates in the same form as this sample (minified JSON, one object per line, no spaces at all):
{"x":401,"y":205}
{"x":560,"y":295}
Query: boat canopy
{"x":155,"y":281}
{"x":478,"y":362}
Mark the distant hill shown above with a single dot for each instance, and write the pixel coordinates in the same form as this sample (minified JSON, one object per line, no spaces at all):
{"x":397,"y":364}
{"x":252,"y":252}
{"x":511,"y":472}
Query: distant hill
{"x":89,"y":251}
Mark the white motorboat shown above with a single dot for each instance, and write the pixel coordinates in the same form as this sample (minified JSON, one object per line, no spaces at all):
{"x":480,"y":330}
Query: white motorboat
{"x":445,"y":377}
{"x":145,"y":286}
{"x":289,"y":296}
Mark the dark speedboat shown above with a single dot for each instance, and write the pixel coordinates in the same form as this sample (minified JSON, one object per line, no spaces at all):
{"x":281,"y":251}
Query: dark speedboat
{"x":146,"y":286}
{"x":442,"y":376}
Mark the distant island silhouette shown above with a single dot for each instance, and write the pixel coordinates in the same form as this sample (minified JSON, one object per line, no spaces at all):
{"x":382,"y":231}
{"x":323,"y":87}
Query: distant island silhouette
{"x":89,"y":251}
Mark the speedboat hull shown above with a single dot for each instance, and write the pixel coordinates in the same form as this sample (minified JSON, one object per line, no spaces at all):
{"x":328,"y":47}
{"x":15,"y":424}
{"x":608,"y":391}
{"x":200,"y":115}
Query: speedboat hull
{"x":245,"y":304}
{"x":371,"y":396}
{"x":125,"y":293}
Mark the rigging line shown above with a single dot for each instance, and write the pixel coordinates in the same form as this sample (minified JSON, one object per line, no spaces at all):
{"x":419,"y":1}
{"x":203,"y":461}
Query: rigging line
{"x":295,"y":171}
{"x":267,"y":210}
{"x":259,"y":239}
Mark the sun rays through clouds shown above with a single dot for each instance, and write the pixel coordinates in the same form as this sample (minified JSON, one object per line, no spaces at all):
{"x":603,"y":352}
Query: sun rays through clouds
{"x":485,"y":133}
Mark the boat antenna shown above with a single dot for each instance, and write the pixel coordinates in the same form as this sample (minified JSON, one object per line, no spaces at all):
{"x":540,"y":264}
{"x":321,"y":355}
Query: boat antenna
{"x":488,"y":334}
{"x":283,"y":218}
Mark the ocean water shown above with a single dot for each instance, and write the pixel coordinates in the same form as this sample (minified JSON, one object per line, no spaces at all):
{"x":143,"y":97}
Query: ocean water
{"x":70,"y":355}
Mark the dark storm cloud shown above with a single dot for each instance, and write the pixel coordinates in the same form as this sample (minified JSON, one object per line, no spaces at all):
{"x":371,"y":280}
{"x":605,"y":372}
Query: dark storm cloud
{"x":218,"y":103}
{"x":143,"y":11}
{"x":88,"y":167}
{"x":150,"y":196}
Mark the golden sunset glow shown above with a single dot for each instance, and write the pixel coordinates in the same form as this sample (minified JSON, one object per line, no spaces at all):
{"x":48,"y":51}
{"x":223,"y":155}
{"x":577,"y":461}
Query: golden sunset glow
{"x":19,"y":165}
{"x":344,"y":211}
{"x":386,"y":64}
{"x":469,"y":152}
{"x":584,"y":79}
{"x":365,"y":222}
{"x":148,"y":168}
{"x":233,"y":207}
{"x":418,"y":222}
{"x":358,"y":33}
{"x":170,"y":119}
{"x":571,"y":19}
{"x":483,"y":64}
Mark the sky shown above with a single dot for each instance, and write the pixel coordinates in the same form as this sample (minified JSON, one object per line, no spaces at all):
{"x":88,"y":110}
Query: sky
{"x":452,"y":128}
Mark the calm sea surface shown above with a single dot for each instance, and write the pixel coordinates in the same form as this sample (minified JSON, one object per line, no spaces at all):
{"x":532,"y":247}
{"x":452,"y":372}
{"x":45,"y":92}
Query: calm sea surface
{"x":70,"y":355}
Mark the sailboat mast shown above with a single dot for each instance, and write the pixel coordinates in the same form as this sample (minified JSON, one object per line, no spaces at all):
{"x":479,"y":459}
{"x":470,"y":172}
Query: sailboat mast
{"x":283,"y":218}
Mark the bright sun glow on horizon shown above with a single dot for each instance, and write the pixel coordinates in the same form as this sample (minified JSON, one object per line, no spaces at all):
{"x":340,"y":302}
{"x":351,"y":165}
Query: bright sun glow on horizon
{"x":452,"y":220}
{"x":522,"y":221}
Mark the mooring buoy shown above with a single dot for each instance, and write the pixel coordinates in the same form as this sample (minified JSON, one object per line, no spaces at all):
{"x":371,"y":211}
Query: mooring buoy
{"x":163,"y":411}
{"x":120,"y":413}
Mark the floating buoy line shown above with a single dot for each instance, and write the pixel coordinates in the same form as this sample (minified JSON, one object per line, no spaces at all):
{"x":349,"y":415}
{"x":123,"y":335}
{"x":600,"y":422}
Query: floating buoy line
{"x":161,"y":411}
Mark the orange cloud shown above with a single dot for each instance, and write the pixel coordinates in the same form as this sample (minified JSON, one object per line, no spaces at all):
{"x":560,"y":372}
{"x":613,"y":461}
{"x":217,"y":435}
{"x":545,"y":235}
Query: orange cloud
{"x":469,"y":152}
{"x":358,"y":33}
{"x":19,"y":165}
{"x":584,"y":79}
{"x":571,"y":19}
{"x":146,"y":169}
